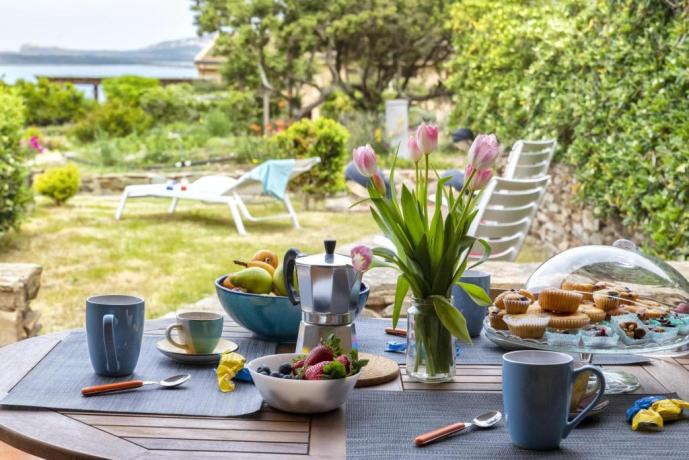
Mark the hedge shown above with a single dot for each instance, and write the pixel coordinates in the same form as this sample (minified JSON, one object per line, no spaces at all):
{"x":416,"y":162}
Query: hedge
{"x":608,"y":79}
{"x":14,"y":194}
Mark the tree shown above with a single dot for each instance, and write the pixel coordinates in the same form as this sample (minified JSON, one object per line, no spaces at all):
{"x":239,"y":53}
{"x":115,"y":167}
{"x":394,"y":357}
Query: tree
{"x":361,"y":48}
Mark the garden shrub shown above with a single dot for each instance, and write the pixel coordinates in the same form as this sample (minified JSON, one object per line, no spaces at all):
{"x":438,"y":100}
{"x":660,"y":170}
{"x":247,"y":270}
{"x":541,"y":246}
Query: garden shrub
{"x":14,"y":194}
{"x":59,"y":183}
{"x":607,"y":78}
{"x":128,"y":89}
{"x":218,"y":124}
{"x":324,"y":138}
{"x":113,"y":119}
{"x":166,"y":104}
{"x":51,"y":103}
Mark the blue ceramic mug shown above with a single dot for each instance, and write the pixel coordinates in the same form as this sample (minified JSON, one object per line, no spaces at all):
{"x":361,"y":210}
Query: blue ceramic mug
{"x":474,"y":313}
{"x":114,"y":330}
{"x":536,"y":391}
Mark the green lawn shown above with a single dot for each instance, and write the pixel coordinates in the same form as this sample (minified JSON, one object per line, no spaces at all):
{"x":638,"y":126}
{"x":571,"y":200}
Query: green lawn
{"x":169,"y":260}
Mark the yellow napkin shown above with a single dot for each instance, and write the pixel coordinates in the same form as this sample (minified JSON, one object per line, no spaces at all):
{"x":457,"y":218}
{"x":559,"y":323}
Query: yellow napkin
{"x":230,"y":364}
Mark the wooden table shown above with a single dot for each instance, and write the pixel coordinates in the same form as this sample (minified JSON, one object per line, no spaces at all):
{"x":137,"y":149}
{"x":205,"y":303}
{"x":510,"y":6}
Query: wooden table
{"x":266,"y":434}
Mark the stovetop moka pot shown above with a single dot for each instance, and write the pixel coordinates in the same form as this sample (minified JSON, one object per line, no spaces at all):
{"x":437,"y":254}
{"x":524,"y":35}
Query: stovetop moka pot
{"x":329,"y":286}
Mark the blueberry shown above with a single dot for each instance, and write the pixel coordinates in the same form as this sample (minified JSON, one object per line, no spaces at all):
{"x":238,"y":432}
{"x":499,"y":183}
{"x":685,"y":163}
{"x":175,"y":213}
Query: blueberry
{"x":285,"y":368}
{"x":265,"y":370}
{"x":287,"y":376}
{"x":276,"y":374}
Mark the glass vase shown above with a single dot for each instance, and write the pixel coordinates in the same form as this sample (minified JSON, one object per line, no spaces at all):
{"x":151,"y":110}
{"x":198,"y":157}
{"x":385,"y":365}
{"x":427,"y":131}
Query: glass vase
{"x":430,"y":346}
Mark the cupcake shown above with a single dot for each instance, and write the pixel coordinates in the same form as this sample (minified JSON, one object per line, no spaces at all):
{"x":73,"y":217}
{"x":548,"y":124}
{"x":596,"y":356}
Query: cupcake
{"x":534,"y":309}
{"x":573,"y":321}
{"x":495,"y":317}
{"x":606,"y":299}
{"x":516,"y":304}
{"x":585,"y":289}
{"x":499,"y":300}
{"x":559,"y":301}
{"x":528,"y":294}
{"x":527,"y":326}
{"x":627,"y":296}
{"x":596,"y":315}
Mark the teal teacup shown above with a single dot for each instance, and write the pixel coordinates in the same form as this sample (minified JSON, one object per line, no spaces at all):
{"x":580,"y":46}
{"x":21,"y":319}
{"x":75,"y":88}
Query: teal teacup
{"x":200,"y":331}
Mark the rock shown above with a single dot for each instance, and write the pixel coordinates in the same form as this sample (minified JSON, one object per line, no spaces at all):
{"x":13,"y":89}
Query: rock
{"x":19,"y":284}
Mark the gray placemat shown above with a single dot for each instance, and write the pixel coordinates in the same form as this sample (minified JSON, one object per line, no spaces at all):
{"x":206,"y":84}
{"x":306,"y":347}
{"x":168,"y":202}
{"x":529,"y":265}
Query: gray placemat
{"x":56,"y":381}
{"x":372,"y":339}
{"x":383,"y":425}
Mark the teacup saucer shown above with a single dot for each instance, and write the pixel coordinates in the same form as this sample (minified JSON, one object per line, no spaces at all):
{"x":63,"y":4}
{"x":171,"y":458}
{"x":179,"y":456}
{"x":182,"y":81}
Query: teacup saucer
{"x":597,"y":409}
{"x":183,"y":356}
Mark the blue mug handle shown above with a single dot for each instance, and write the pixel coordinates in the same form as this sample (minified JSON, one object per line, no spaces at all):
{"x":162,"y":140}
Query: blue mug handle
{"x":569,"y":426}
{"x":112,"y":365}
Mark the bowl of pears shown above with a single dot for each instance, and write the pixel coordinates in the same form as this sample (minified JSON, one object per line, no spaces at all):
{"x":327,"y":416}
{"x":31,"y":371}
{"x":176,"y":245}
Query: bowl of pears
{"x":255,"y":296}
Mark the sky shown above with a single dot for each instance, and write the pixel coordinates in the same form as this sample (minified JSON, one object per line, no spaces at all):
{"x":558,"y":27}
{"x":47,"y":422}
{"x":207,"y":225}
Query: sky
{"x":93,"y":24}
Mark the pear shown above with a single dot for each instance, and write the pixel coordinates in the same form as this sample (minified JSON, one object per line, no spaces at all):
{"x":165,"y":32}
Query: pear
{"x":279,"y":286}
{"x":254,"y":279}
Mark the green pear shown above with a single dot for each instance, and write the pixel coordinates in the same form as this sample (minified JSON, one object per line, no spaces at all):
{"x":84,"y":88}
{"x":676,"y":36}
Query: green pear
{"x":279,"y":284}
{"x":254,"y":279}
{"x":279,"y":287}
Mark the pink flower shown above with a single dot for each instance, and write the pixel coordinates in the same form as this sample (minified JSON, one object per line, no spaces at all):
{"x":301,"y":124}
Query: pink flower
{"x":484,"y":151}
{"x":379,"y":183}
{"x":480,"y":179}
{"x":362,"y":256}
{"x":427,"y":138}
{"x":35,"y":143}
{"x":365,"y":160}
{"x":414,"y":152}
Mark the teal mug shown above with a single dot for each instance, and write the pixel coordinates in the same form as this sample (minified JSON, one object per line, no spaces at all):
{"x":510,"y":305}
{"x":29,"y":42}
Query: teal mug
{"x":200,"y":331}
{"x":536,"y":392}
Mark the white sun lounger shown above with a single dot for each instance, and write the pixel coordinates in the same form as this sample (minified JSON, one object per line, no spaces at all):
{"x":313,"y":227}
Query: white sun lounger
{"x":223,"y":190}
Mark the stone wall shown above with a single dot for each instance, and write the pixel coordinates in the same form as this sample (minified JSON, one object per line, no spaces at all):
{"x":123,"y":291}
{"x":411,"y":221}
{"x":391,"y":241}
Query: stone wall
{"x":19,"y":284}
{"x":114,"y":183}
{"x":563,"y":222}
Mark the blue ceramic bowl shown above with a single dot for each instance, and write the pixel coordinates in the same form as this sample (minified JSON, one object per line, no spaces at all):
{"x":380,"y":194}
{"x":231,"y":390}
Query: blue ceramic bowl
{"x":267,"y":316}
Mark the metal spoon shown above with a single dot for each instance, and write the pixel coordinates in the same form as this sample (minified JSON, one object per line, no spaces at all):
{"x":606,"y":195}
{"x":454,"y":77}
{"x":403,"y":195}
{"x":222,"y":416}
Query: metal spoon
{"x":169,"y":382}
{"x":486,"y":420}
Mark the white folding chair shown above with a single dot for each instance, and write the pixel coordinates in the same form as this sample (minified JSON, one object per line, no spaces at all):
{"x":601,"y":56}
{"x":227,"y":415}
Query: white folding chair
{"x":529,"y":159}
{"x":223,"y":190}
{"x":506,"y":211}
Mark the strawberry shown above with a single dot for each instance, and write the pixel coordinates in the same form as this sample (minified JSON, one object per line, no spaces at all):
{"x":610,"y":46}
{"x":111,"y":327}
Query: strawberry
{"x":325,"y":370}
{"x":319,"y":354}
{"x":298,"y":364}
{"x":344,"y":360}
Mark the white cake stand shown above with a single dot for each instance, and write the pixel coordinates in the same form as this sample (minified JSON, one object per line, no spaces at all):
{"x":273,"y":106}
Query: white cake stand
{"x":616,"y":382}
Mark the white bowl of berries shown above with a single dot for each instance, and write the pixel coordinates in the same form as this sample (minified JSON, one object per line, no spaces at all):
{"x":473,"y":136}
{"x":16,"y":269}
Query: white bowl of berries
{"x":307,"y":384}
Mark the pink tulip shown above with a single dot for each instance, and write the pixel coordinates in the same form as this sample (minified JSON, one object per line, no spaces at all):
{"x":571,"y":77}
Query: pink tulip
{"x":365,"y":160}
{"x":480,"y":179}
{"x":427,"y":138}
{"x":484,"y":151}
{"x":414,"y":153}
{"x":362,"y":257}
{"x":379,"y":183}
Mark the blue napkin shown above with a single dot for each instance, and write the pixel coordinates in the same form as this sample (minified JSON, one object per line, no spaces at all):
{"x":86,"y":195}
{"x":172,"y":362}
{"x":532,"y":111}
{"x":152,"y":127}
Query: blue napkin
{"x":274,"y":175}
{"x":400,"y":346}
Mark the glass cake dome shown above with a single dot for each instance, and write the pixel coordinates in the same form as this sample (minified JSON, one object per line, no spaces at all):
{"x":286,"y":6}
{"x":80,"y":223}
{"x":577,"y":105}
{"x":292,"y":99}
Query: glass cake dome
{"x":618,"y":266}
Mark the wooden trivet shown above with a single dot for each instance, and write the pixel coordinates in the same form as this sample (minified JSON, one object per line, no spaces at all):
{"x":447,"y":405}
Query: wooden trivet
{"x":379,"y":370}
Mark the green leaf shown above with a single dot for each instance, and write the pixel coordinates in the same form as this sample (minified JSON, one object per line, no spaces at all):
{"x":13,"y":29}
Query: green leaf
{"x":451,"y":318}
{"x":476,"y":293}
{"x":335,"y":370}
{"x":486,"y":252}
{"x":400,"y":293}
{"x":412,"y":218}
